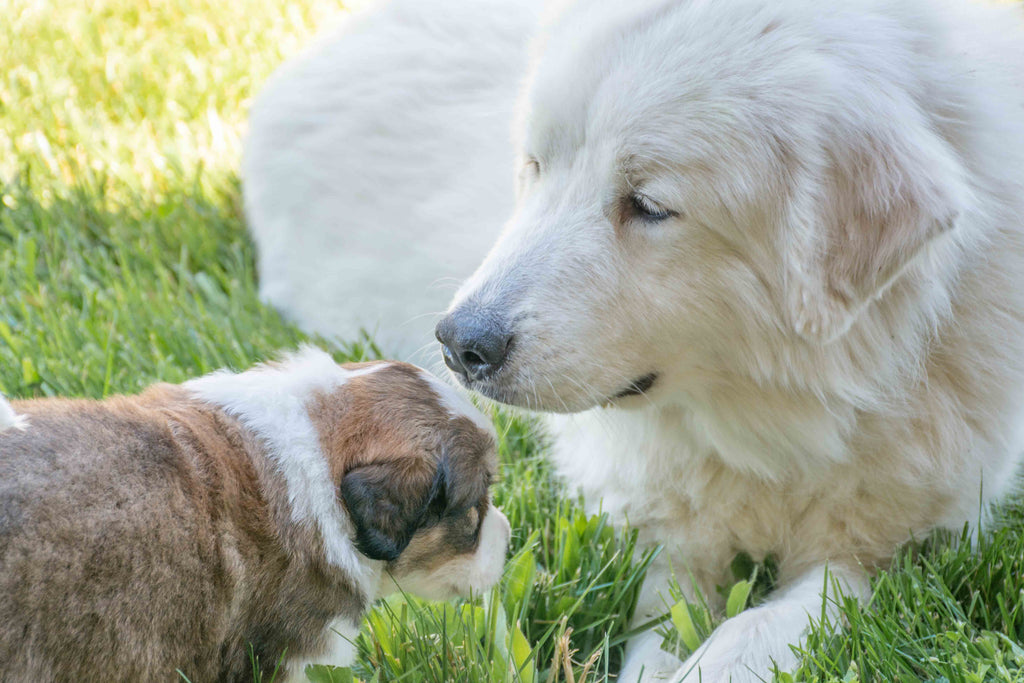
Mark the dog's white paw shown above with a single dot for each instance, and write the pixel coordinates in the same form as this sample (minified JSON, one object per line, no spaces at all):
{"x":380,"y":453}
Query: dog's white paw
{"x":747,"y":648}
{"x":646,"y":662}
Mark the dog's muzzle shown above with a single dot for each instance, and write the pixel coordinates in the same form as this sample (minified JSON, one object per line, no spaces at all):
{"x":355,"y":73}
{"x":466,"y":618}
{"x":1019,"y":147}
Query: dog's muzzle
{"x":474,"y":343}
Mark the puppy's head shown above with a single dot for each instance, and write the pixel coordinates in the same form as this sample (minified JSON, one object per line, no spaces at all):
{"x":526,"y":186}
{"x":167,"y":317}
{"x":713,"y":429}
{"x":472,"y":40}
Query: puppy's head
{"x":413,"y":461}
{"x":705,"y":188}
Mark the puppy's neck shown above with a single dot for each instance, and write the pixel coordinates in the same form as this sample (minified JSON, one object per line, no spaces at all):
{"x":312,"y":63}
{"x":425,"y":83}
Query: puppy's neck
{"x":271,"y":402}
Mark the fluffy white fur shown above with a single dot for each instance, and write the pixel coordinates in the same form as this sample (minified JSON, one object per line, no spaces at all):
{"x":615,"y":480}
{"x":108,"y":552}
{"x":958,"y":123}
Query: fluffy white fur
{"x":458,"y":405}
{"x":10,"y":419}
{"x":340,"y":636}
{"x":375,"y":175}
{"x":272,"y":400}
{"x":835,"y":310}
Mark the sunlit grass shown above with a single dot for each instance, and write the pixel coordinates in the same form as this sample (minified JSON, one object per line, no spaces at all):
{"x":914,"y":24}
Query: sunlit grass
{"x":138,"y":91}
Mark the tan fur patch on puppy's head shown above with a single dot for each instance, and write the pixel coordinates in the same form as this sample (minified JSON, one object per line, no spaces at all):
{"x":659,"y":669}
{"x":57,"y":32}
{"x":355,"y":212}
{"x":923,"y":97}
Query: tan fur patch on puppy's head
{"x":411,"y":465}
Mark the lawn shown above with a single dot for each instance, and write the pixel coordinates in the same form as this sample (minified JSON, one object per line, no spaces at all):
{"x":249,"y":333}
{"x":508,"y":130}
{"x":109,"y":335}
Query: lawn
{"x":124,"y":260}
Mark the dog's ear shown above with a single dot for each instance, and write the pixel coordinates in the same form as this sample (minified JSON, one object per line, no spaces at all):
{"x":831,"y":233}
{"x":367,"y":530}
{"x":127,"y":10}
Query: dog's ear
{"x":464,"y":472}
{"x":461,"y":482}
{"x":878,"y":199}
{"x":387,"y":504}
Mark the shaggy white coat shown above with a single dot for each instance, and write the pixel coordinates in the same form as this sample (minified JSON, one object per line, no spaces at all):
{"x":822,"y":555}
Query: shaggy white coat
{"x":834,"y":305}
{"x":378,"y":171}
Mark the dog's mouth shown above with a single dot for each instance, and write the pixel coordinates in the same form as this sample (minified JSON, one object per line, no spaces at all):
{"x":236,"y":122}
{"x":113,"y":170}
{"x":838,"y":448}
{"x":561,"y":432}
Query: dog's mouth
{"x":504,"y":389}
{"x":496,"y":392}
{"x":638,"y":387}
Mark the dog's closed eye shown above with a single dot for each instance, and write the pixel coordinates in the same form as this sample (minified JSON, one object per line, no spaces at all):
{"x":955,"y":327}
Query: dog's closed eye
{"x":646,"y":209}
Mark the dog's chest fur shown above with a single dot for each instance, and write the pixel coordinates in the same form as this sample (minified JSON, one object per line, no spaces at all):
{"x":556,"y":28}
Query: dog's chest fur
{"x":929,"y":459}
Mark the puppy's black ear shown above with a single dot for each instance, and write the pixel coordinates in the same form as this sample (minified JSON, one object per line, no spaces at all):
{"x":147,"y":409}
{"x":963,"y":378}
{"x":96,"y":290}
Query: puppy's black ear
{"x":464,"y":473}
{"x":387,"y":506}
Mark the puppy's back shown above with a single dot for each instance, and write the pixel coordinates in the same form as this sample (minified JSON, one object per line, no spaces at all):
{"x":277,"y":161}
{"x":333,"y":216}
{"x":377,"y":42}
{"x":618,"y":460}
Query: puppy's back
{"x":101,"y":529}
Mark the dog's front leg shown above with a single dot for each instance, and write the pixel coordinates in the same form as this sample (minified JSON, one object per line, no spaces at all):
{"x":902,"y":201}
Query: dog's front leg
{"x":645,"y":661}
{"x":746,"y":648}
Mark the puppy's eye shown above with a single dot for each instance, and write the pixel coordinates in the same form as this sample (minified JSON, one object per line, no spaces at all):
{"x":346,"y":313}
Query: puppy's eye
{"x":648,"y":210}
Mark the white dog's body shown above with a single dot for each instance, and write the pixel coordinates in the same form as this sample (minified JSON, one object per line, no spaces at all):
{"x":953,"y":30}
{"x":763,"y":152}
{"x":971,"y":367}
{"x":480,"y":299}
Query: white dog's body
{"x":806,"y":224}
{"x":343,"y":169}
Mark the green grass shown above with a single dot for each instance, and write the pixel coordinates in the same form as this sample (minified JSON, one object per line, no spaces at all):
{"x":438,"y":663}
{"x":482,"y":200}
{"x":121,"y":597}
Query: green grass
{"x":124,"y":261}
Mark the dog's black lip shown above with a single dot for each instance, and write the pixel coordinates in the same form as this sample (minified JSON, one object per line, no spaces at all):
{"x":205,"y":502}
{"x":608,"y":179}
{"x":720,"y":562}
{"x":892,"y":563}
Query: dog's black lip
{"x":638,"y":386}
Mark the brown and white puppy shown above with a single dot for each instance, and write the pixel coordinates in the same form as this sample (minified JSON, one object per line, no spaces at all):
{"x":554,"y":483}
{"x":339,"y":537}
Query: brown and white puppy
{"x":267,"y":509}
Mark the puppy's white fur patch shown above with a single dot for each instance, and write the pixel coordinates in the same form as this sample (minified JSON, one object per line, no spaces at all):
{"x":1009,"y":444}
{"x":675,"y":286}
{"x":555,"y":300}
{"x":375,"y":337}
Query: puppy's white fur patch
{"x":271,"y":400}
{"x":340,"y":636}
{"x":457,"y":404}
{"x":10,"y":419}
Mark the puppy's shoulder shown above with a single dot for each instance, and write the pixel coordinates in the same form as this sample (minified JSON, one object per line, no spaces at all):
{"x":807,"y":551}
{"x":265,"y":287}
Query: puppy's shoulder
{"x":160,"y":437}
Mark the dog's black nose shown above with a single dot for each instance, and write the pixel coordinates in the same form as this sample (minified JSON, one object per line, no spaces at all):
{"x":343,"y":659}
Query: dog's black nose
{"x":473,"y":343}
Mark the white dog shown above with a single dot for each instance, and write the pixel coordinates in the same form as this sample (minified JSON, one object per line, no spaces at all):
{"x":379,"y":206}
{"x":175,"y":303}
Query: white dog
{"x":769,"y":253}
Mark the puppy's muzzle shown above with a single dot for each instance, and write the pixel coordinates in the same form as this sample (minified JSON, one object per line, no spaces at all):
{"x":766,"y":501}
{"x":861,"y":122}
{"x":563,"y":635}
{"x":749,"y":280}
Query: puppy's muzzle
{"x":474,"y":342}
